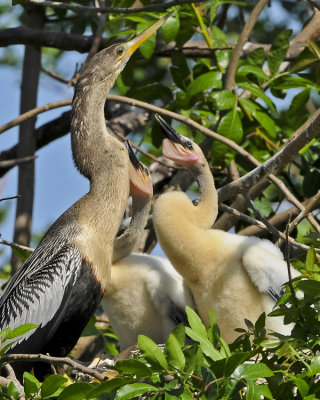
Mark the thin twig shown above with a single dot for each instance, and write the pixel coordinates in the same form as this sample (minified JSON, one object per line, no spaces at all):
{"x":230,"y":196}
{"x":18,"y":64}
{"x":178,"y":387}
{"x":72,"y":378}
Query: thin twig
{"x":8,"y":358}
{"x":259,"y":216}
{"x":16,"y":161}
{"x":114,"y":10}
{"x":243,"y":38}
{"x":16,"y":245}
{"x":261,"y":225}
{"x":303,"y":214}
{"x":10,"y":198}
{"x":33,"y":112}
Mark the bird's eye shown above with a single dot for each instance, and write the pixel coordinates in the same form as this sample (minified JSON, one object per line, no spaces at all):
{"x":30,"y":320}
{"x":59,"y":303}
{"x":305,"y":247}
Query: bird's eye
{"x":189,"y":145}
{"x":120,"y":50}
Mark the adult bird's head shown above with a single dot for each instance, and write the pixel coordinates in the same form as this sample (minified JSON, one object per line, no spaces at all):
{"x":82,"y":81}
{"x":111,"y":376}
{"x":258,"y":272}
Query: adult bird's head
{"x":105,"y":66}
{"x":140,"y":178}
{"x":94,"y":150}
{"x":183,"y":151}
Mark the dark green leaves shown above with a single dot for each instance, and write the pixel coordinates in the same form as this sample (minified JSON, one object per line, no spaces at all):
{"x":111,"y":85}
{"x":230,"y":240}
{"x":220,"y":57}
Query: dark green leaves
{"x":278,"y":51}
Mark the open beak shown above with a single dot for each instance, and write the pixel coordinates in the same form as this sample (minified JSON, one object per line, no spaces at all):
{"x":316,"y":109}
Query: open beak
{"x":133,"y":44}
{"x":169,"y":132}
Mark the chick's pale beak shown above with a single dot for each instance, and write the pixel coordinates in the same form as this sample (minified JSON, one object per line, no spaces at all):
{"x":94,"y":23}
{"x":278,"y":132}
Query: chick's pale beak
{"x":133,"y":44}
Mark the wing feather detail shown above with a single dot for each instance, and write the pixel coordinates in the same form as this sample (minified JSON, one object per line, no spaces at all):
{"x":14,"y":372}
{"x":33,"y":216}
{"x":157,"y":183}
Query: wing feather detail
{"x":36,"y":294}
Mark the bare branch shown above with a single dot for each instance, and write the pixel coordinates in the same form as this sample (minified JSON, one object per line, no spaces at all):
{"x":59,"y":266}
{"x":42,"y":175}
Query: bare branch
{"x":16,"y":245}
{"x":8,"y":358}
{"x":35,"y":111}
{"x":303,"y":214}
{"x":278,"y":219}
{"x":114,"y":10}
{"x":243,"y":38}
{"x":9,"y":198}
{"x":16,"y":161}
{"x":261,"y":225}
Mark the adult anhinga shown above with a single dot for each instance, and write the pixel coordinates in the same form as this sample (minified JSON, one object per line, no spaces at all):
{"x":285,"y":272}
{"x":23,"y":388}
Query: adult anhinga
{"x":234,"y":275}
{"x":145,"y":294}
{"x":59,"y":287}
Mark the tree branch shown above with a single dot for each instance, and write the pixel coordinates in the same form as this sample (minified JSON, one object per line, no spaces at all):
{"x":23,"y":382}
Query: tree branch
{"x":108,"y":10}
{"x":35,"y":111}
{"x":243,"y":38}
{"x":8,"y":358}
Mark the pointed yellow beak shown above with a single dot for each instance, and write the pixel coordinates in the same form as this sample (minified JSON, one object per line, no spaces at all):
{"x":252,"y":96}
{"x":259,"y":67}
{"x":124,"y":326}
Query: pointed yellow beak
{"x":133,"y":44}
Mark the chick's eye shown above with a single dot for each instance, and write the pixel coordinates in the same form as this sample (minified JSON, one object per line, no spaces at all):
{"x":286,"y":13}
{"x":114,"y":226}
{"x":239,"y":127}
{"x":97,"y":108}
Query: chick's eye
{"x":189,"y":145}
{"x":120,"y":51}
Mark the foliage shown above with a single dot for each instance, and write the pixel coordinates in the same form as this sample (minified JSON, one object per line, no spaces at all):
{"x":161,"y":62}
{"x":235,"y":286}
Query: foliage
{"x":258,"y":115}
{"x":256,"y":364}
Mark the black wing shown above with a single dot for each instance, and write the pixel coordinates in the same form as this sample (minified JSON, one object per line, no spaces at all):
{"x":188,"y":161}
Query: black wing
{"x":34,"y":295}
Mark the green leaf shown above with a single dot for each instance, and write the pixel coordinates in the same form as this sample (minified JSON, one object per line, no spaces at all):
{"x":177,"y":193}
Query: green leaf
{"x":31,"y":384}
{"x":205,"y":345}
{"x":315,"y":365}
{"x":22,"y":254}
{"x":209,"y":80}
{"x":12,"y":391}
{"x":266,"y":122}
{"x":224,"y":99}
{"x":171,"y":28}
{"x":134,"y":389}
{"x":76,"y":391}
{"x":296,"y":82}
{"x":310,"y":259}
{"x":257,"y":57}
{"x":231,"y":127}
{"x":195,"y":322}
{"x":234,"y":361}
{"x":298,"y":103}
{"x":108,"y":386}
{"x":314,"y":48}
{"x":133,"y":367}
{"x":151,"y":352}
{"x":21,"y":330}
{"x":310,"y":287}
{"x":264,"y":206}
{"x":179,"y":333}
{"x":252,"y":371}
{"x":246,"y":69}
{"x":303,"y":64}
{"x":256,"y":91}
{"x":257,"y":391}
{"x":302,"y":386}
{"x":174,"y":354}
{"x":278,"y":50}
{"x":52,"y":386}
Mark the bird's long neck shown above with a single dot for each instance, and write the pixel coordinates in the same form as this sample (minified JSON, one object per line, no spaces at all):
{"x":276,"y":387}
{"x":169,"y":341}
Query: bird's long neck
{"x":179,"y":224}
{"x":124,"y":244}
{"x":207,"y":209}
{"x":104,"y":161}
